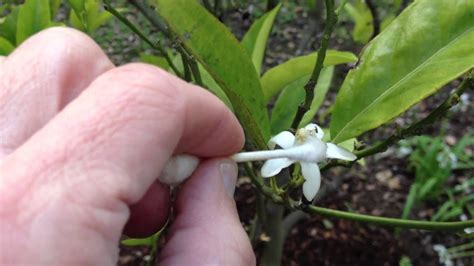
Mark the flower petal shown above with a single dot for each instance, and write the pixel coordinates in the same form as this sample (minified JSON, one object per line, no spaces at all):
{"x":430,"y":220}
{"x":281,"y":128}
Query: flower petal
{"x":310,"y":189}
{"x":310,"y":171}
{"x":273,"y":166}
{"x":283,"y":139}
{"x":319,"y":131}
{"x":336,"y":152}
{"x":312,"y":175}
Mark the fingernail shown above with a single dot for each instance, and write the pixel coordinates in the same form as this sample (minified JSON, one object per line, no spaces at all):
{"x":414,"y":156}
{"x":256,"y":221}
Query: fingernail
{"x":229,"y":173}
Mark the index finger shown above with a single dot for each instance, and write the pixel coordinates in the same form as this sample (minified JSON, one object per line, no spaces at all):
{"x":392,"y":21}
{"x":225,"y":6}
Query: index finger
{"x":132,"y":119}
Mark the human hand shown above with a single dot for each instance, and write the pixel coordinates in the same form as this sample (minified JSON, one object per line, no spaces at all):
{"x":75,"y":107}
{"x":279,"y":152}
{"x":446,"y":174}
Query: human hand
{"x":81,"y":145}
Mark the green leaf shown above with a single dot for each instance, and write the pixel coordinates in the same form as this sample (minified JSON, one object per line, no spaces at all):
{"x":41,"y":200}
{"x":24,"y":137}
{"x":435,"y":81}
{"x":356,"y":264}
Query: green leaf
{"x":363,"y":20}
{"x":8,"y":26}
{"x":94,"y":16}
{"x":292,"y":95}
{"x":324,"y":82}
{"x":34,"y":16}
{"x":78,"y":6}
{"x":91,"y":16}
{"x":276,"y":78}
{"x":387,"y":20}
{"x":212,"y":85}
{"x":410,"y":201}
{"x":5,"y":47}
{"x":158,"y":61}
{"x":255,"y":40}
{"x":285,"y":106}
{"x":211,"y":43}
{"x":131,"y":242}
{"x":76,"y":22}
{"x":425,"y":47}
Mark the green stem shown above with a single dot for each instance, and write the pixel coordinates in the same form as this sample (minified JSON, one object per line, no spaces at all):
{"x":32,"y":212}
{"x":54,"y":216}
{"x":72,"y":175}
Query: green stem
{"x":196,"y":73}
{"x":142,"y":36}
{"x":311,"y":85}
{"x":461,"y":247}
{"x":186,"y":63}
{"x":394,"y":222}
{"x":150,"y":15}
{"x":259,"y":221}
{"x":462,"y":255}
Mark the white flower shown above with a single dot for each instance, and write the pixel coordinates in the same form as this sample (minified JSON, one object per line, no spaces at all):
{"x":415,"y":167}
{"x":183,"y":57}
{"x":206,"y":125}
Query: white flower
{"x":307,"y":148}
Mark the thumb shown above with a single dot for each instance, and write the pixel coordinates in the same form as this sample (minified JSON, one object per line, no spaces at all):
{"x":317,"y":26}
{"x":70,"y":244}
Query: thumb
{"x":207,"y":228}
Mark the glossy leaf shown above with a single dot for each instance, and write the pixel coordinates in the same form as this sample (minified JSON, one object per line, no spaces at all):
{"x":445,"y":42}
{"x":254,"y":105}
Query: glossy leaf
{"x":292,"y":95}
{"x":76,"y":22}
{"x":78,"y":6}
{"x":8,"y":26}
{"x":211,"y":43}
{"x":276,"y":78}
{"x":94,"y":16}
{"x":285,"y":106}
{"x":212,"y":85}
{"x":34,"y":16}
{"x":91,"y":16}
{"x":255,"y":40}
{"x":425,"y":47}
{"x":5,"y":47}
{"x":324,"y":82}
{"x":387,"y":20}
{"x":364,"y":27}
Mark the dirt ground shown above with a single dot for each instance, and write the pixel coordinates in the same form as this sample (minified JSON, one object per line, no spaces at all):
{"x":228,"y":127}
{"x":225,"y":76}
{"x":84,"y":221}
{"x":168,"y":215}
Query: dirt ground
{"x":323,"y":241}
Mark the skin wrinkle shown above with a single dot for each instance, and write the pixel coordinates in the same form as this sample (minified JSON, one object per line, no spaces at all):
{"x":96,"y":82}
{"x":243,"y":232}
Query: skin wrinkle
{"x":57,"y":46}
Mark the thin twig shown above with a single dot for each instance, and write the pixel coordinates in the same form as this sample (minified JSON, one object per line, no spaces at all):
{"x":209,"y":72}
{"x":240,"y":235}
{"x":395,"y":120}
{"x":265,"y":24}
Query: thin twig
{"x":413,"y":129}
{"x":151,"y":16}
{"x":196,"y":73}
{"x":393,"y":222}
{"x":311,"y":85}
{"x":186,"y":63}
{"x":157,"y":46}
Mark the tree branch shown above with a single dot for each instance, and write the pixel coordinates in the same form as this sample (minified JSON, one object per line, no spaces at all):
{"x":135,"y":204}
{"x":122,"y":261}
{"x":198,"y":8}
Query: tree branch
{"x":311,"y":85}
